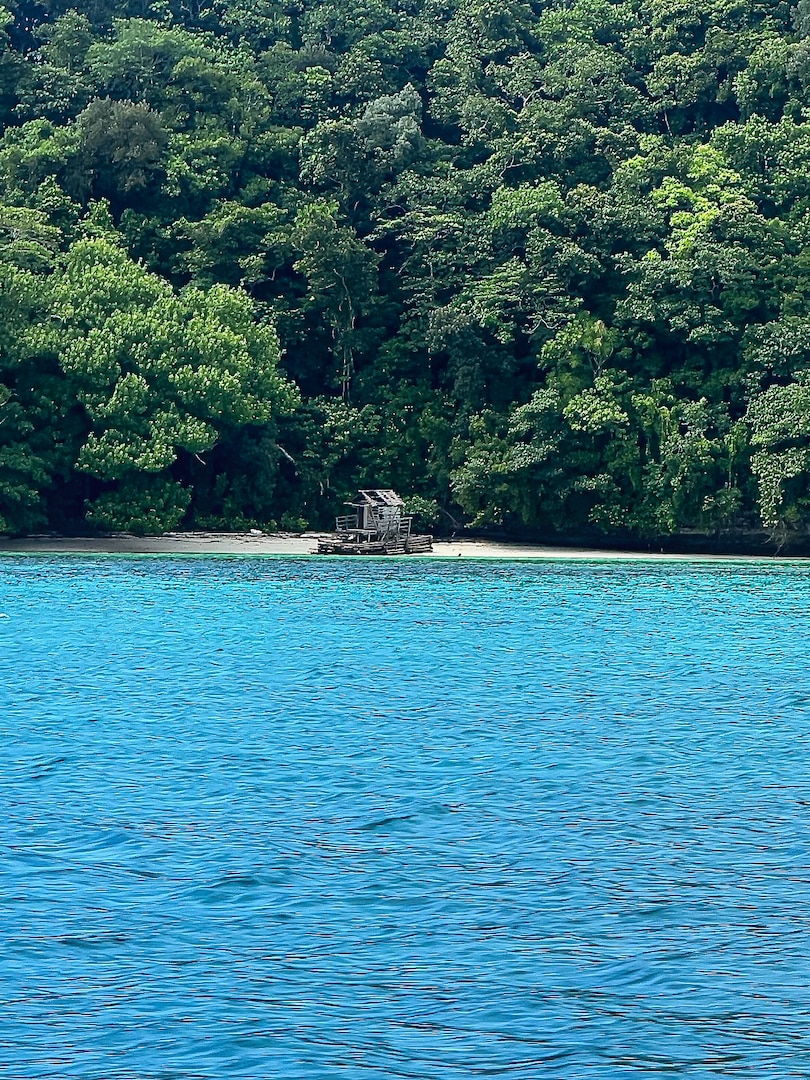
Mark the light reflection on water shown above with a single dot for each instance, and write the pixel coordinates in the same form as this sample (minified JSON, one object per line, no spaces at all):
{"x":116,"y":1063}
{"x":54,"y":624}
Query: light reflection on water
{"x":316,"y":818}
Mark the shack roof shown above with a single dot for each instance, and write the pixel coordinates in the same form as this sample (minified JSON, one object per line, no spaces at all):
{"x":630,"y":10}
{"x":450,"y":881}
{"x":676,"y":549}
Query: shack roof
{"x":377,"y":497}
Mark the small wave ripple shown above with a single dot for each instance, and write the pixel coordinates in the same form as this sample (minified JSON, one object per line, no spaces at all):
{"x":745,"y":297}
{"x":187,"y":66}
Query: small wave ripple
{"x":285,"y":818}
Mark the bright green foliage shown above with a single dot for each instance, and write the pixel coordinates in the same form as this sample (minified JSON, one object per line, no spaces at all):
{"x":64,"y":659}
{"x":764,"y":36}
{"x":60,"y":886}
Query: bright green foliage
{"x":144,"y":505}
{"x":159,"y":375}
{"x":543,"y":266}
{"x":779,"y":420}
{"x":155,"y":378}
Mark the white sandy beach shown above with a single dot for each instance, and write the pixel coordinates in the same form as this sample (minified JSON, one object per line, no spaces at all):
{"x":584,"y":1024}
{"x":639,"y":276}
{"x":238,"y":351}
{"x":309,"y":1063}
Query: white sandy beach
{"x":203,"y":543}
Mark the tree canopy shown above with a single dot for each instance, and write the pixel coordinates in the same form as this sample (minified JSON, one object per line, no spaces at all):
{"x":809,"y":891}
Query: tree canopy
{"x":538,"y":265}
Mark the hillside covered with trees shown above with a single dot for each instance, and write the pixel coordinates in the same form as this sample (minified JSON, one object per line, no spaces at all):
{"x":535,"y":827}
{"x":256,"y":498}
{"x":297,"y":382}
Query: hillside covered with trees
{"x":533,"y":264}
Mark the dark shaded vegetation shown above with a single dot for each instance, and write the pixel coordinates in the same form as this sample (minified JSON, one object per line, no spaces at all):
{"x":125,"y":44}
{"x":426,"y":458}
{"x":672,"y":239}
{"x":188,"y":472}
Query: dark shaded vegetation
{"x":539,"y":265}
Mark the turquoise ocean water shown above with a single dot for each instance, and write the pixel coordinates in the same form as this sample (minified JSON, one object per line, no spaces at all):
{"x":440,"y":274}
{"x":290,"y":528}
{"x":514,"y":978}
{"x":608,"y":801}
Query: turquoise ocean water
{"x":403,"y":819}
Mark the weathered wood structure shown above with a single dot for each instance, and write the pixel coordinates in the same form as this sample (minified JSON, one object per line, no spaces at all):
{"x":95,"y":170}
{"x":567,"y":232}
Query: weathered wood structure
{"x":375,"y":525}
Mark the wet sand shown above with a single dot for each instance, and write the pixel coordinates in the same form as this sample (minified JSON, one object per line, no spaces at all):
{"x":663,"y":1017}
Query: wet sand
{"x":203,"y":543}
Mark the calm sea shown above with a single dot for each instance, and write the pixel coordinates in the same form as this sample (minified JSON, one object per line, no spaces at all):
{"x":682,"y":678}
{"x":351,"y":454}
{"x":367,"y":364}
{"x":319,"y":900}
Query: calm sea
{"x":403,"y":819}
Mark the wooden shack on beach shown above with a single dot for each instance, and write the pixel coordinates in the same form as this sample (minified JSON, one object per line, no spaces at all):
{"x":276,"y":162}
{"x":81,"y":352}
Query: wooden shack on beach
{"x":375,"y":524}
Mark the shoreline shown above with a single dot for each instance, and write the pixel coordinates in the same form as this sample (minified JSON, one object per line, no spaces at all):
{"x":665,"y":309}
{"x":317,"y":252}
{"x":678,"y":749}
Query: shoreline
{"x":305,"y":544}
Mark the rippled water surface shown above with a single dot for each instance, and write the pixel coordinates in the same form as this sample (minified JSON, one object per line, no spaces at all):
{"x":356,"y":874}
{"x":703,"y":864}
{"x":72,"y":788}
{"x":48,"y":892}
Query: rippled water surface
{"x":324,"y":818}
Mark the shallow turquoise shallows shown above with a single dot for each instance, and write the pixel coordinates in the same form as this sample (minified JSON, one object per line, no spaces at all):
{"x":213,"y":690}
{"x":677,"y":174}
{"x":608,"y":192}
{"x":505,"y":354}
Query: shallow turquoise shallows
{"x":403,"y":819}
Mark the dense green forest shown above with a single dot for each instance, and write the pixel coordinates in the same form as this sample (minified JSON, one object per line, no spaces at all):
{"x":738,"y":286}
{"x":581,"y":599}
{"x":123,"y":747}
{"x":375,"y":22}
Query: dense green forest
{"x":536,"y":264}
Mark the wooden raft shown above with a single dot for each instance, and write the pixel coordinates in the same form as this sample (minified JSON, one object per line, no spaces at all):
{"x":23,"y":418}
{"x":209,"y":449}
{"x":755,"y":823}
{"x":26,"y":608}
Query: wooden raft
{"x":411,"y":545}
{"x":375,"y":525}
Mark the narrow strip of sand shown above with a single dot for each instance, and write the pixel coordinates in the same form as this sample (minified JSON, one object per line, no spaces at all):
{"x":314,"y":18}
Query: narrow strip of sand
{"x":203,"y":543}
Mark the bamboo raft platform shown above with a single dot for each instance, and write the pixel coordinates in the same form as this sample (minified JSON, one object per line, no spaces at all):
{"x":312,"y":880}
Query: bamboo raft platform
{"x":376,"y":526}
{"x":412,"y":545}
